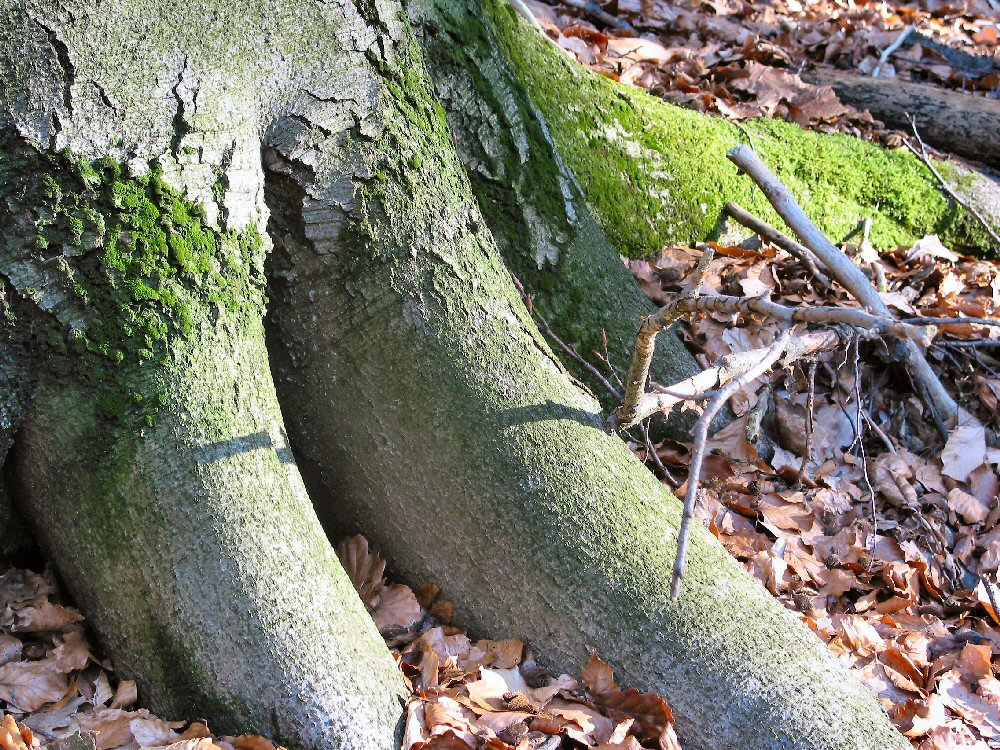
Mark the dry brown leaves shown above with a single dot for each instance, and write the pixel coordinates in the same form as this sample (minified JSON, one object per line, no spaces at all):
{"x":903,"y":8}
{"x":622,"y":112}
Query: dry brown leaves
{"x":743,"y":59}
{"x":887,"y":541}
{"x":492,"y":694}
{"x":465,"y":694}
{"x":53,"y":686}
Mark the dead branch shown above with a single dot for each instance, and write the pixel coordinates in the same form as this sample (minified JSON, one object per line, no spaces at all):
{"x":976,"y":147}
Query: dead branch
{"x":636,"y":404}
{"x":843,"y":270}
{"x":926,"y":159}
{"x":949,"y":321}
{"x":701,"y":386}
{"x":543,"y":326}
{"x":778,"y":239}
{"x":891,"y":49}
{"x":771,"y":355}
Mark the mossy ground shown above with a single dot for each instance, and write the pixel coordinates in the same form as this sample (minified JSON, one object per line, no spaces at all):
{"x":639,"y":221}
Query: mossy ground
{"x":657,"y":174}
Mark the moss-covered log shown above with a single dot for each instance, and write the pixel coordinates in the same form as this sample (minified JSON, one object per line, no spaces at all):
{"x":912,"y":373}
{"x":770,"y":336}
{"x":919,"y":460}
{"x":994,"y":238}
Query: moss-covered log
{"x":655,"y":173}
{"x":428,"y":412}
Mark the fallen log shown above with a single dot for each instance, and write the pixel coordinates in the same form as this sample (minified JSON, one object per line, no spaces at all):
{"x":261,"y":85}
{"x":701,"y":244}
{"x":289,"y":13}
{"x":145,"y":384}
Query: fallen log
{"x":952,"y":121}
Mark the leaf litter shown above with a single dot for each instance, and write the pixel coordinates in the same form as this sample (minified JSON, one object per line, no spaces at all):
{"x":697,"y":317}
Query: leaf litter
{"x":882,"y":531}
{"x":743,"y":59}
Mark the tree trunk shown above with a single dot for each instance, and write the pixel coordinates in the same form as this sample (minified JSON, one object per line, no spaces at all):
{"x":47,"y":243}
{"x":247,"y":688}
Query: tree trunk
{"x":427,"y":411}
{"x":423,"y":404}
{"x":952,"y":121}
{"x":532,"y":203}
{"x":152,"y":460}
{"x":656,"y":174}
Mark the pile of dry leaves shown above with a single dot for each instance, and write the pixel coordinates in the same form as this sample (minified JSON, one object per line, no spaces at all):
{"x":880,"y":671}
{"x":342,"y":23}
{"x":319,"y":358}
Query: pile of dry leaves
{"x":55,"y":692}
{"x":63,"y":696}
{"x":744,"y":59}
{"x":883,"y":529}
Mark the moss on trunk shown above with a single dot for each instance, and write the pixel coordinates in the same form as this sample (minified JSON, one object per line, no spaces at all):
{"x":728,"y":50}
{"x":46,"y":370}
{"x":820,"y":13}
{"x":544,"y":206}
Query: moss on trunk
{"x":533,"y":204}
{"x":152,"y":461}
{"x":656,"y":174}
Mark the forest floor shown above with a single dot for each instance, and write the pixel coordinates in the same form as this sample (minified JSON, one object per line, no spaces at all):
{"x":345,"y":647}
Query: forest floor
{"x":743,"y":59}
{"x":881,"y":529}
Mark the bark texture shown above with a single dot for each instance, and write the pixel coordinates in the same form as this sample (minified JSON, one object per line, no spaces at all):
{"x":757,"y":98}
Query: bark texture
{"x":656,"y":174}
{"x":532,"y":203}
{"x":152,"y":460}
{"x":427,"y":411}
{"x":952,"y":121}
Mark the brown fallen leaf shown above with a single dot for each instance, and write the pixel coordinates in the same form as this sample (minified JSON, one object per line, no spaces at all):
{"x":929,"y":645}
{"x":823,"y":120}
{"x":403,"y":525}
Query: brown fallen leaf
{"x":249,"y":742}
{"x":14,"y":737}
{"x":965,"y":450}
{"x":29,"y":685}
{"x":73,"y":653}
{"x":127,"y":694}
{"x":46,"y":618}
{"x":365,"y":568}
{"x":395,"y":608}
{"x":970,"y":508}
{"x":10,"y":649}
{"x":597,"y":676}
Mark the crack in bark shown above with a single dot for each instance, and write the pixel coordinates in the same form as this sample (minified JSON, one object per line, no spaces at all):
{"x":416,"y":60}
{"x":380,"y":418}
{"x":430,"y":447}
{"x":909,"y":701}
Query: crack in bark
{"x":69,"y":77}
{"x":179,"y":121}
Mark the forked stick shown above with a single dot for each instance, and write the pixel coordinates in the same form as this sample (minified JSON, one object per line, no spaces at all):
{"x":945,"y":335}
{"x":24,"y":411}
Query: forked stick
{"x":843,"y":270}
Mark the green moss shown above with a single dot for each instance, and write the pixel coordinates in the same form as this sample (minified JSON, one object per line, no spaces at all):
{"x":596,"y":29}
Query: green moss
{"x":656,"y":174}
{"x":142,"y":261}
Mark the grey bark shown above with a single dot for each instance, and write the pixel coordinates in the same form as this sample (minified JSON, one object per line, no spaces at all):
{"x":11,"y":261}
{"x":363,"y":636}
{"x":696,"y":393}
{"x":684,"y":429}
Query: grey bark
{"x":189,"y":540}
{"x":422,"y":401}
{"x":533,"y":204}
{"x":427,"y":411}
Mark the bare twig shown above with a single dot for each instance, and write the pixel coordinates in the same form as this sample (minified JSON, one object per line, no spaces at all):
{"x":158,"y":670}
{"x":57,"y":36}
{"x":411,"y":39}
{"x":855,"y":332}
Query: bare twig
{"x":543,"y":326}
{"x":778,"y":239}
{"x":634,"y":404}
{"x":810,"y":417}
{"x":879,"y":431}
{"x":891,"y":49}
{"x":922,"y":154}
{"x":842,"y":269}
{"x":993,"y":322}
{"x":772,"y":355}
{"x":701,"y":387}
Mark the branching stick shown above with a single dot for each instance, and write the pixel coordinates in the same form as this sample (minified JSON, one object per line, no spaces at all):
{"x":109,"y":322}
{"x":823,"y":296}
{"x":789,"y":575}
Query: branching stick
{"x":843,"y":270}
{"x":778,"y":239}
{"x":772,"y":355}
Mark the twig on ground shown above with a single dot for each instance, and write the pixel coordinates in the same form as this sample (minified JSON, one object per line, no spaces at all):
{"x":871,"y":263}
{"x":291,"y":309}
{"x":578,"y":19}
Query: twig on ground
{"x":843,"y":270}
{"x":879,"y":431}
{"x":891,"y":50}
{"x":771,"y":355}
{"x":701,"y":387}
{"x":953,"y":321}
{"x":596,"y":13}
{"x":922,"y":154}
{"x":810,"y":416}
{"x":651,"y":453}
{"x":635,"y":403}
{"x":778,"y":239}
{"x":974,"y":344}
